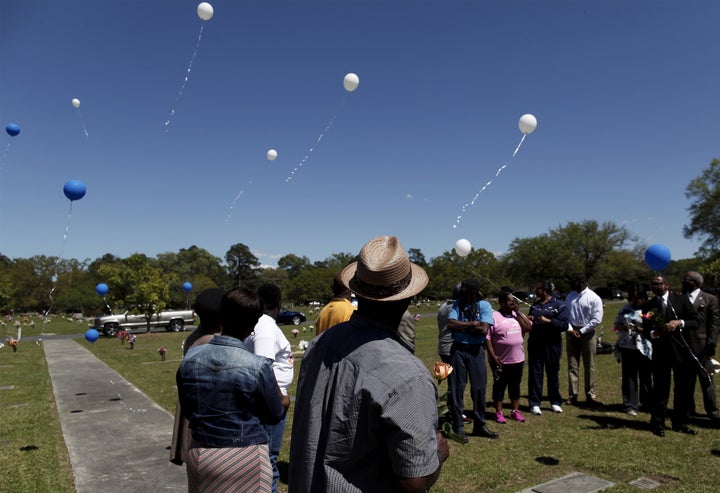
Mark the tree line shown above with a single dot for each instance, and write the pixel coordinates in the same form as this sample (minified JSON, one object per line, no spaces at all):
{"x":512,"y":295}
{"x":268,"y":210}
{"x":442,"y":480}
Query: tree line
{"x":608,"y":254}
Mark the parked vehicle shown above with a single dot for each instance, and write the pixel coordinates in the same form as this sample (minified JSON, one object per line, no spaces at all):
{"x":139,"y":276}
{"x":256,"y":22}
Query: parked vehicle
{"x":290,"y":317}
{"x":173,"y":321}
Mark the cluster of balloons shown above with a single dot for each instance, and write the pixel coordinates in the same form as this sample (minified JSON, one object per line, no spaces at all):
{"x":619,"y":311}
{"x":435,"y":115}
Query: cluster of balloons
{"x":12,"y":129}
{"x":74,"y":189}
{"x":463,"y":247}
{"x":657,"y":257}
{"x":351,"y":82}
{"x":205,"y":11}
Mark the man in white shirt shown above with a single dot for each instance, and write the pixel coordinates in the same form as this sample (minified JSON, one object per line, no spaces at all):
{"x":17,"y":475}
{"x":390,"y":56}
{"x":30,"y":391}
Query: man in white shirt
{"x":268,"y":340}
{"x":585,"y":313}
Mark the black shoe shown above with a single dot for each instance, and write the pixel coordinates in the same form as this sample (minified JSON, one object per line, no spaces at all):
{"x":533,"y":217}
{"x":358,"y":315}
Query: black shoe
{"x":572,"y":400}
{"x":684,"y":429}
{"x":485,"y":432}
{"x":593,"y":402}
{"x":659,"y":432}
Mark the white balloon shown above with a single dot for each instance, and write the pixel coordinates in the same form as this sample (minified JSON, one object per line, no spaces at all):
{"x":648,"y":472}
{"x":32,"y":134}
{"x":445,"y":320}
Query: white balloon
{"x":351,"y":82}
{"x":527,"y":123}
{"x":205,"y":11}
{"x":463,"y":247}
{"x":76,"y":102}
{"x":271,"y":155}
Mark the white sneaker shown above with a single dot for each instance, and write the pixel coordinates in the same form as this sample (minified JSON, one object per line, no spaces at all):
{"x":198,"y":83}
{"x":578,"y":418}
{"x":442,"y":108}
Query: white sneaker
{"x":536,"y":410}
{"x":556,"y":408}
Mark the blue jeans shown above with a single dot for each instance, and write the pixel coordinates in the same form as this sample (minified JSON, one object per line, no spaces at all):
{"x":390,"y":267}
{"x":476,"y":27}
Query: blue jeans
{"x":275,"y":432}
{"x":467,"y":360}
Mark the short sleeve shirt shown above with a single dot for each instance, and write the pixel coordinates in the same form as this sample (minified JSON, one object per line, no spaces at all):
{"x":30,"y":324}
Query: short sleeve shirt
{"x":365,"y":412}
{"x":485,"y":314}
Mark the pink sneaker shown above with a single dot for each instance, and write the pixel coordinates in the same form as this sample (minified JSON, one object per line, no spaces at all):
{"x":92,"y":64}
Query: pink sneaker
{"x":514,"y":414}
{"x":500,"y":418}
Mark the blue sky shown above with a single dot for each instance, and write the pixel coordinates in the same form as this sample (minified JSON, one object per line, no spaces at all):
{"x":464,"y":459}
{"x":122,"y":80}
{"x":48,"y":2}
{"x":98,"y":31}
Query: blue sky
{"x":625,"y":94}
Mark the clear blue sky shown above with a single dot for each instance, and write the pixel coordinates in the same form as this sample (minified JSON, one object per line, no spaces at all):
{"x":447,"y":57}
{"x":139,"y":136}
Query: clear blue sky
{"x":625,"y":94}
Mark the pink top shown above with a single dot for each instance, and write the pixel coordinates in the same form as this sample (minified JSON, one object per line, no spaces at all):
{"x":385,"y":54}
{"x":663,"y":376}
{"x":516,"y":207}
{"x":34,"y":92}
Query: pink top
{"x":507,"y":339}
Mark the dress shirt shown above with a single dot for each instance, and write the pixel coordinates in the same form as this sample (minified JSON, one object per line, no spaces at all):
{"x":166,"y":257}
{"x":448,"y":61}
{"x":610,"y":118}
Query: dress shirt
{"x":585,"y":310}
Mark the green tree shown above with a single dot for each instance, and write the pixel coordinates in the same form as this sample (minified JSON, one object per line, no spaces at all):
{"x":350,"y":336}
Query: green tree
{"x":196,"y":266}
{"x":704,"y":211}
{"x":6,"y":289}
{"x":242,"y":265}
{"x":293,"y":265}
{"x":142,"y":284}
{"x":416,"y":256}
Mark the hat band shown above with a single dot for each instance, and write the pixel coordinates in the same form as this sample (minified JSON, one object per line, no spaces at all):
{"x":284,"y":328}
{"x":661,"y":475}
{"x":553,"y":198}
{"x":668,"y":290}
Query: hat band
{"x":375,"y":291}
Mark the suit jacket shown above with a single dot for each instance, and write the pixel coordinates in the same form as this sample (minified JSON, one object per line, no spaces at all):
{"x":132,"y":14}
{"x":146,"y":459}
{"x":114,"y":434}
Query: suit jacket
{"x":708,"y":310}
{"x":671,"y":346}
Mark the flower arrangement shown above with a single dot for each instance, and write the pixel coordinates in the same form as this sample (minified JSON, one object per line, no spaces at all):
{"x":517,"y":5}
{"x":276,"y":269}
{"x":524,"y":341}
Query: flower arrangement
{"x":295,"y":332}
{"x":123,"y":336}
{"x":13,"y":342}
{"x":163,"y":351}
{"x":655,"y":318}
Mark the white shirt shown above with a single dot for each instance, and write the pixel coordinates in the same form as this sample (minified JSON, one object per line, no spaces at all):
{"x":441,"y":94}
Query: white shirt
{"x":585,"y":310}
{"x":268,"y":340}
{"x":693,"y":295}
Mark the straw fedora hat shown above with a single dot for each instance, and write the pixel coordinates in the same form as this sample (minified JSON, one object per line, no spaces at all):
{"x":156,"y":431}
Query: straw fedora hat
{"x":383,"y":272}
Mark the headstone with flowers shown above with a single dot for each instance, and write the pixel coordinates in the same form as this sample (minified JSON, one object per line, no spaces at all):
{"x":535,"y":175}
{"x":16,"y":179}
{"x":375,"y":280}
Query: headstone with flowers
{"x":162,"y":351}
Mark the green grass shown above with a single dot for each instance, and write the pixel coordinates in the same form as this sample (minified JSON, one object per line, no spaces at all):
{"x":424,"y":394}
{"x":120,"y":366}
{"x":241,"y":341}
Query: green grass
{"x":608,"y":444}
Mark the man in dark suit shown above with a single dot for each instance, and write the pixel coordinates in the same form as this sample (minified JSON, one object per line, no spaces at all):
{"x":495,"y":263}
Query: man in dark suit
{"x":703,"y":341}
{"x":667,"y":318}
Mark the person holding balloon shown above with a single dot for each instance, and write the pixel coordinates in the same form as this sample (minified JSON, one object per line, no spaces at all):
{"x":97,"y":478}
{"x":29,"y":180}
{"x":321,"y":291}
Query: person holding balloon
{"x":666,"y":318}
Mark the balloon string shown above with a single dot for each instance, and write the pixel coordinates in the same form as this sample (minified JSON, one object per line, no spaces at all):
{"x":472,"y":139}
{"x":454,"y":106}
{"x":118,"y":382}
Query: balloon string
{"x":82,"y":122}
{"x":187,"y":77}
{"x":518,"y":146}
{"x":307,"y":156}
{"x":467,"y":205}
{"x":241,"y":192}
{"x":55,"y":266}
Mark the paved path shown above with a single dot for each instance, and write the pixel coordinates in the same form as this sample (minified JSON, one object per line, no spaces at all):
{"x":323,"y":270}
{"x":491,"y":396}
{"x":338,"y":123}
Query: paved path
{"x":118,"y":439}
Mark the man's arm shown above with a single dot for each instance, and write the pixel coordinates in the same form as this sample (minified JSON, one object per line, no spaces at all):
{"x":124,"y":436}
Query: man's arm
{"x":421,"y":485}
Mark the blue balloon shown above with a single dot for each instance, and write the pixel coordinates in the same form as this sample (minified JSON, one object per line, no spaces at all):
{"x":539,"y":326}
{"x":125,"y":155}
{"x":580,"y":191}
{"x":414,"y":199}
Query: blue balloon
{"x":187,"y":286}
{"x":91,"y":335}
{"x":102,"y":289}
{"x":657,"y":257}
{"x":12,"y":129}
{"x":74,"y":189}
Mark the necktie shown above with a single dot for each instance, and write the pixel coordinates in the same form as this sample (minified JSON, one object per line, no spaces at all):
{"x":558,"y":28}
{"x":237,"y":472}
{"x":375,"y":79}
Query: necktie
{"x":661,"y":304}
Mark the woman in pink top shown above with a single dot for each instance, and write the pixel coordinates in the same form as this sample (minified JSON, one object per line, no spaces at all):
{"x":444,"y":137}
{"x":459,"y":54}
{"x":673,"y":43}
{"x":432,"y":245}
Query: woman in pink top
{"x":507,"y":354}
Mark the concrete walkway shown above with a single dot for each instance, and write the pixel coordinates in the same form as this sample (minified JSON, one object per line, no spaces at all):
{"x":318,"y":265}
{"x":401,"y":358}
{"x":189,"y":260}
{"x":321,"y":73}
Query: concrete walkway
{"x":118,"y":439}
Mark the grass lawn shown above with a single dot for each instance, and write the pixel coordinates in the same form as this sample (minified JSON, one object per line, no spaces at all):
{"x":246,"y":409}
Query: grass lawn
{"x":607,"y":444}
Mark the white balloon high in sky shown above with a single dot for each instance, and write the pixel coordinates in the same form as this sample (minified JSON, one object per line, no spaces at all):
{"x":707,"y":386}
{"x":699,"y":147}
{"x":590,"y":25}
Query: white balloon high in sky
{"x":205,"y":11}
{"x":527,"y":125}
{"x":351,"y":82}
{"x":271,"y":155}
{"x":76,"y":102}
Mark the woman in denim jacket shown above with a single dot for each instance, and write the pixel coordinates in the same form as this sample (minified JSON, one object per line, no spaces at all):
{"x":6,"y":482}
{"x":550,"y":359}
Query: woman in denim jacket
{"x":229,"y":393}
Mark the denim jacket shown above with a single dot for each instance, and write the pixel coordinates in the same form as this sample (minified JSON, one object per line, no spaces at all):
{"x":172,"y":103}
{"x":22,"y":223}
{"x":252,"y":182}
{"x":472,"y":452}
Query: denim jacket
{"x":228,"y":393}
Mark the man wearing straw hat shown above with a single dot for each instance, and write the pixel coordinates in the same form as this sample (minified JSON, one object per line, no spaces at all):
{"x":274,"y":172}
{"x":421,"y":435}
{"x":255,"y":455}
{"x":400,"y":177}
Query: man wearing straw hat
{"x":366,"y":408}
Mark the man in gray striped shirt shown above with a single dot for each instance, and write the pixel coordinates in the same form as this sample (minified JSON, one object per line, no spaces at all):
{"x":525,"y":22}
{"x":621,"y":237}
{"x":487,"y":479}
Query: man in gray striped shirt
{"x":366,"y":408}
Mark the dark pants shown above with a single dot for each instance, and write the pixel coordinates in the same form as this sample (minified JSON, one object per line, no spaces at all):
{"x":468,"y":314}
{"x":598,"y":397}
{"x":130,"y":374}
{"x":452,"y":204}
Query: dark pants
{"x":636,"y":379}
{"x":664,"y":366}
{"x":467,"y":360}
{"x":544,"y":355}
{"x":708,"y":390}
{"x":509,"y":378}
{"x":275,"y":432}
